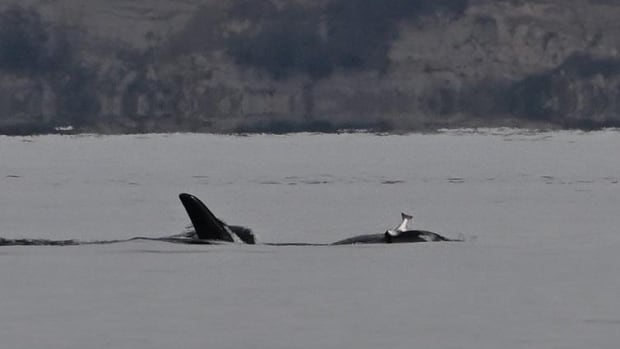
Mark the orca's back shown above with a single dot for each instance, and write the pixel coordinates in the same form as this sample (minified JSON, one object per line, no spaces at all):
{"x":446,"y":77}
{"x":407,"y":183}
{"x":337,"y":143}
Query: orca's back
{"x":207,"y":226}
{"x":414,"y":236}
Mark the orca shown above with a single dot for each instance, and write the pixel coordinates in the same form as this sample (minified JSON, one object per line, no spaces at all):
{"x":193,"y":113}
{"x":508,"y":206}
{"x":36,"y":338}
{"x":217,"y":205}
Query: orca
{"x":210,"y":228}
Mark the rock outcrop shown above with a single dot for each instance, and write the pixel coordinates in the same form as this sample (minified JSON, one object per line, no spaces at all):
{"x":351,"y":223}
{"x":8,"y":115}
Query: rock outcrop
{"x":279,"y":66}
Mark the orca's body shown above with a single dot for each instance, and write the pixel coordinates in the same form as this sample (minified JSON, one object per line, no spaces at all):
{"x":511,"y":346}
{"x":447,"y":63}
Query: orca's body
{"x":208,"y":227}
{"x":386,"y":238}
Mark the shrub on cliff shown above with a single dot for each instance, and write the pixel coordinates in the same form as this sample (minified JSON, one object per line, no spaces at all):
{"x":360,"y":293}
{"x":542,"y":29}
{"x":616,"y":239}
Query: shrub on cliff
{"x":342,"y":34}
{"x":360,"y":32}
{"x":284,"y":42}
{"x":570,"y":95}
{"x":23,"y":39}
{"x":31,"y":46}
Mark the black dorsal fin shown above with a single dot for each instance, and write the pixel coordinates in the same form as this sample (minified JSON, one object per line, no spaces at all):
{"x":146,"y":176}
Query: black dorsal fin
{"x":207,"y":226}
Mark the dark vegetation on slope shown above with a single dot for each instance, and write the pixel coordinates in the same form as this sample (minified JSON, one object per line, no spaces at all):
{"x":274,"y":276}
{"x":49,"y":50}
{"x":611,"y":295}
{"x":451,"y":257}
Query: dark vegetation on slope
{"x":341,"y":34}
{"x":67,"y":78}
{"x":552,"y":96}
{"x":32,"y":48}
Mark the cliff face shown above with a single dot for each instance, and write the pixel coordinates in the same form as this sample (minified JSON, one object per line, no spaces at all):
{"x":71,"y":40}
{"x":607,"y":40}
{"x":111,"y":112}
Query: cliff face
{"x":238,"y":65}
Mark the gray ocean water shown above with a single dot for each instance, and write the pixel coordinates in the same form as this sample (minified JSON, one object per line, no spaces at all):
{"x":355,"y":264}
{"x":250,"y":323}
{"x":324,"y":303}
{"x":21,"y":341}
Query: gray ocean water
{"x":538,"y":267}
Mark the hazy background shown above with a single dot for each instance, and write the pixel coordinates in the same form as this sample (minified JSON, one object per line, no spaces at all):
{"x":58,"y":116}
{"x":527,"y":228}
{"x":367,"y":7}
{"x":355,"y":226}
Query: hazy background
{"x":295,"y":65}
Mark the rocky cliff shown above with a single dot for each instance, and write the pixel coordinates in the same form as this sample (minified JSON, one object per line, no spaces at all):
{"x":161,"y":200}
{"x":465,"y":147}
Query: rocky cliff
{"x":278,"y":65}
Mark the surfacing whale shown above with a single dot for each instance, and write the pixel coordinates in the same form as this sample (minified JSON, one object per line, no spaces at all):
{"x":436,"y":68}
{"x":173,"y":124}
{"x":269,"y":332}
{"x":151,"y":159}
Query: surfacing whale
{"x":209,"y":228}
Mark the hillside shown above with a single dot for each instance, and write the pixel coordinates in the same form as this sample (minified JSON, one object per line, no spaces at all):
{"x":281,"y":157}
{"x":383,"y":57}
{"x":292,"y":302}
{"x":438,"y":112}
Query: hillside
{"x":267,"y":65}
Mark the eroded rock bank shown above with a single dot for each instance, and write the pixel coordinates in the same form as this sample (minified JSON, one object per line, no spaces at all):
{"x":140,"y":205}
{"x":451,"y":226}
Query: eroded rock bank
{"x":280,"y":66}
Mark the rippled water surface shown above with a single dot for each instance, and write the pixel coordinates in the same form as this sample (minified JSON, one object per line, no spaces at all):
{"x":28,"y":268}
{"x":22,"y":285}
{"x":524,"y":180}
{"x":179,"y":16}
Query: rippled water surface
{"x":539,"y":212}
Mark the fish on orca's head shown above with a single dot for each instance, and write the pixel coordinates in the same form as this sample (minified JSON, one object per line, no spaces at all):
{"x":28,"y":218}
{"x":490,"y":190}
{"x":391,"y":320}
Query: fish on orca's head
{"x":392,"y":234}
{"x":401,"y":234}
{"x":406,"y":220}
